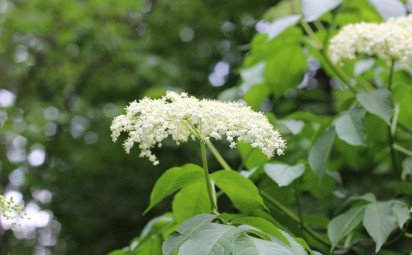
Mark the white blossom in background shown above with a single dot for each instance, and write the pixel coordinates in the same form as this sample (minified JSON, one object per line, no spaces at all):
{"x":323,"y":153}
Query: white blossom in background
{"x":390,"y":40}
{"x":150,"y":121}
{"x":11,"y":210}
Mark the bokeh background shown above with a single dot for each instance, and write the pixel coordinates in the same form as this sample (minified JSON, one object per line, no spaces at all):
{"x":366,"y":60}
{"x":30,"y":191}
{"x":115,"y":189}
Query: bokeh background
{"x":66,"y":69}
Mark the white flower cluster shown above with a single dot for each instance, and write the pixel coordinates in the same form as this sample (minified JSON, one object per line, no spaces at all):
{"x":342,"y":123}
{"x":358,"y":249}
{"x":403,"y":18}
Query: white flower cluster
{"x":150,"y":121}
{"x":10,"y":210}
{"x":390,"y":40}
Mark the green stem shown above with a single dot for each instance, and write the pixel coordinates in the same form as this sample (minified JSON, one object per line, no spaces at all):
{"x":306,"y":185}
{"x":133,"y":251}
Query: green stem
{"x":391,"y":139}
{"x":289,"y":213}
{"x":405,"y":128}
{"x":211,"y":147}
{"x":319,"y":25}
{"x":209,"y":183}
{"x":402,"y":149}
{"x":390,"y":78}
{"x":217,"y":155}
{"x":339,"y":73}
{"x":297,"y":199}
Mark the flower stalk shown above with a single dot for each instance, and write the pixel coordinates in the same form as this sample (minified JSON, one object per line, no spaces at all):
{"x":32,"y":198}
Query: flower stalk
{"x":217,"y":155}
{"x":209,"y":182}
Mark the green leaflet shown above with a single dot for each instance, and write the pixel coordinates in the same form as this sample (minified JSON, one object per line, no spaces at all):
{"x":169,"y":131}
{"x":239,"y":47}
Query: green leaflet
{"x":261,"y":224}
{"x":344,"y":224}
{"x":246,"y":245}
{"x":174,"y":179}
{"x":350,"y":128}
{"x":184,"y":232}
{"x":190,"y":201}
{"x":389,"y":8}
{"x":285,"y":69}
{"x":377,"y":102}
{"x":319,"y":153}
{"x":379,"y":221}
{"x":211,"y":239}
{"x":314,"y":9}
{"x":284,"y":174}
{"x":198,"y":236}
{"x":401,"y":212}
{"x":241,"y":191}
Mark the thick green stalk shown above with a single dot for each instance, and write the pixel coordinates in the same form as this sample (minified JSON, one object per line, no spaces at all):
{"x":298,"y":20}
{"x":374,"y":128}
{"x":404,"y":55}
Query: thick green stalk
{"x":209,"y":182}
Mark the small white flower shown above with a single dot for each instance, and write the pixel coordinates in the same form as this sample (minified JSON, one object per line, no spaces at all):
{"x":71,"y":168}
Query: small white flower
{"x":182,"y":117}
{"x":388,"y":40}
{"x":10,"y":210}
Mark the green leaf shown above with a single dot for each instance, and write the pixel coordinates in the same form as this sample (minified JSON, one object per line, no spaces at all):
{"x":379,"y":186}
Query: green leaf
{"x":174,"y":179}
{"x":285,"y":68}
{"x":294,"y":126}
{"x":379,"y":222}
{"x":284,"y":174}
{"x":254,"y":74}
{"x":350,"y":128}
{"x":157,"y":224}
{"x":314,"y":9}
{"x":152,"y":246}
{"x":296,"y":247}
{"x":184,"y":232}
{"x":261,"y":224}
{"x":190,"y":201}
{"x":389,"y":8}
{"x":342,"y":225}
{"x":362,"y":66}
{"x":246,"y":245}
{"x":198,"y":236}
{"x":211,"y":239}
{"x":149,"y":241}
{"x":241,"y":191}
{"x":256,"y":95}
{"x":279,"y":25}
{"x":120,"y":252}
{"x":401,"y":212}
{"x":195,"y":222}
{"x":378,"y":102}
{"x":319,"y":153}
{"x":406,"y":168}
{"x":251,"y":157}
{"x":368,"y":197}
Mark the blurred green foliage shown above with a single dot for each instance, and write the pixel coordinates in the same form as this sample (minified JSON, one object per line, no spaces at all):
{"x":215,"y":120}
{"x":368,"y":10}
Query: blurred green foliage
{"x":72,"y":66}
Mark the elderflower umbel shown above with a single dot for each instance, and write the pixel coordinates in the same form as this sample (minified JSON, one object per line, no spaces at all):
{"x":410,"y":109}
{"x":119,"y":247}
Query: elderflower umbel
{"x":390,"y":40}
{"x":150,"y":121}
{"x":10,"y":210}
